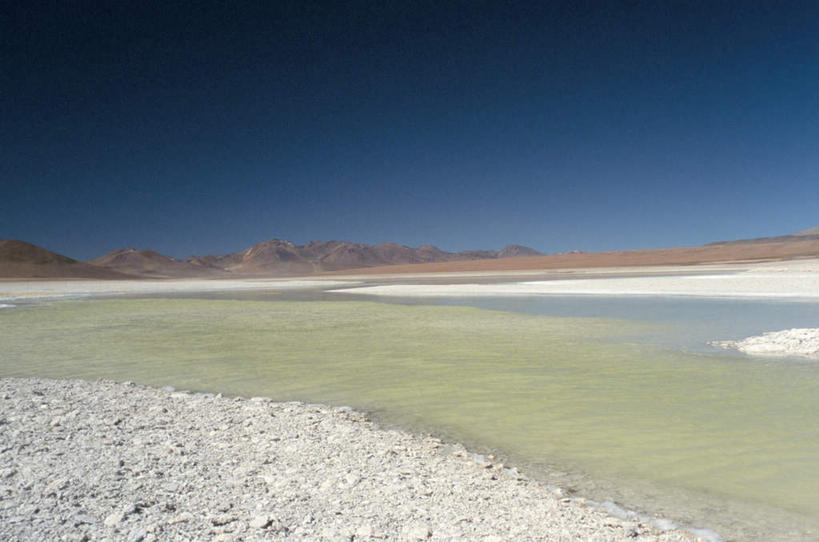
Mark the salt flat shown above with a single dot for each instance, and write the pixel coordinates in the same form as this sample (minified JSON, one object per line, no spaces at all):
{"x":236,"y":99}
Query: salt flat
{"x":797,"y":279}
{"x":785,"y":279}
{"x":32,"y":289}
{"x":789,"y":342}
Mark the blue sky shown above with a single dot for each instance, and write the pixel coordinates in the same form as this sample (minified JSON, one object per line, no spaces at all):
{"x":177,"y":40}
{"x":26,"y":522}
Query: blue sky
{"x":592,"y":126}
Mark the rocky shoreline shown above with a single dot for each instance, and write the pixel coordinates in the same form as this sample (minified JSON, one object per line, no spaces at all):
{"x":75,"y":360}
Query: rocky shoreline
{"x":107,"y":461}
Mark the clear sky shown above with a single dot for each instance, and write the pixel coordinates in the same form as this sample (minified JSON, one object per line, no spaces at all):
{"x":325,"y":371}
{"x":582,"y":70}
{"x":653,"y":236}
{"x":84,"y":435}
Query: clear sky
{"x":197,"y":127}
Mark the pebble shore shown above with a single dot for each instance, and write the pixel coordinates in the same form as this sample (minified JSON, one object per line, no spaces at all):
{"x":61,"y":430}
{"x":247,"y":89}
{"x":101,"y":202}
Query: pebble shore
{"x":107,"y":461}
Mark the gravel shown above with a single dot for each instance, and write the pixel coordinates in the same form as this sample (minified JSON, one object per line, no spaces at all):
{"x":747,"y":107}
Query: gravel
{"x":108,"y":461}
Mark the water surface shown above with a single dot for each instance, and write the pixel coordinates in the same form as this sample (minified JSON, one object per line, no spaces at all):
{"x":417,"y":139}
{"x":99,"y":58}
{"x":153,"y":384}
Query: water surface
{"x":572,"y":390}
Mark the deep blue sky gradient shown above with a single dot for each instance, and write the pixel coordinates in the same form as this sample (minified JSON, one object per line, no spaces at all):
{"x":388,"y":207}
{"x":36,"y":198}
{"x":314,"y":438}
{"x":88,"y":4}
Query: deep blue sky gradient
{"x":207,"y":127}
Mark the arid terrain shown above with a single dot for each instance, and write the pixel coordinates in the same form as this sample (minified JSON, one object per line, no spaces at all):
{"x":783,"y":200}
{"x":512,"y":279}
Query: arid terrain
{"x":19,"y":259}
{"x":274,"y":258}
{"x":715,"y":253}
{"x":277,"y":258}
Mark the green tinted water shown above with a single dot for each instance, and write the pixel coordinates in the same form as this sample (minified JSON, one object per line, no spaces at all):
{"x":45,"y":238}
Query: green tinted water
{"x":722,"y":442}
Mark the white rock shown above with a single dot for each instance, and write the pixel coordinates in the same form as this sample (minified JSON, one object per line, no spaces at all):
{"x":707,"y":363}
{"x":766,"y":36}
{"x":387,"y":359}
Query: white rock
{"x":416,"y":531}
{"x":788,"y":342}
{"x":114,"y":519}
{"x":260,"y":522}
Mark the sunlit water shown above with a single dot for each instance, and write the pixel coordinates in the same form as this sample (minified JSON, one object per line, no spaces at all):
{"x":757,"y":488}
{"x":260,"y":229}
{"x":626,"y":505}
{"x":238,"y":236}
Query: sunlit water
{"x":618,"y":399}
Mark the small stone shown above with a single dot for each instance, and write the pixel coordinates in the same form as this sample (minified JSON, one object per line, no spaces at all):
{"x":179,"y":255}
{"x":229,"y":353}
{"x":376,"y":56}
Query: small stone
{"x":260,"y":522}
{"x":333,"y":535}
{"x":138,"y":534}
{"x":224,"y":506}
{"x":417,"y":531}
{"x":114,"y":519}
{"x":222,"y":519}
{"x":184,"y":516}
{"x":82,"y":519}
{"x":364,"y":531}
{"x":76,"y":537}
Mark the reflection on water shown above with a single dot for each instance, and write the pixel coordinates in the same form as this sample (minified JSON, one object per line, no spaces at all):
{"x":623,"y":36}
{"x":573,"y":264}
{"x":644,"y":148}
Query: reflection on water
{"x":715,"y":440}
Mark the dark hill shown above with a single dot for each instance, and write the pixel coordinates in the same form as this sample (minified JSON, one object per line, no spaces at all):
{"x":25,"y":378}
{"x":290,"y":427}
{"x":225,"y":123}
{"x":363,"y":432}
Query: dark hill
{"x":148,"y":263}
{"x":811,"y":234}
{"x":22,"y":260}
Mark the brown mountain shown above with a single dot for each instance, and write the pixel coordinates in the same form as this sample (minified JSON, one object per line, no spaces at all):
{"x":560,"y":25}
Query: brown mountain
{"x":431,"y":253}
{"x":810,"y":232}
{"x":150,"y":264}
{"x":274,"y":257}
{"x":22,"y":260}
{"x":768,"y":249}
{"x":277,"y":257}
{"x":347,"y":255}
{"x":212,"y":262}
{"x":517,"y":251}
{"x":804,"y":235}
{"x":475,"y":255}
{"x":19,"y":259}
{"x":315,"y":250}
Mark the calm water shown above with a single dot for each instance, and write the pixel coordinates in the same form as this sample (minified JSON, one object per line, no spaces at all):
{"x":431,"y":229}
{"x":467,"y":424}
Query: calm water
{"x":617,"y":398}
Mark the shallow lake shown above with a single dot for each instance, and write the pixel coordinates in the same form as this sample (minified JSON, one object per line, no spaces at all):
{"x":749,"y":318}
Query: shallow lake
{"x":617,"y":398}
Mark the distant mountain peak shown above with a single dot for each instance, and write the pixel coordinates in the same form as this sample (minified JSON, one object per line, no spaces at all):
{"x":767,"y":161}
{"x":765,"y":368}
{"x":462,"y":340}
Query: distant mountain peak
{"x":271,"y":257}
{"x":284,"y":257}
{"x":24,"y":260}
{"x":808,"y":232}
{"x":517,"y":251}
{"x":147,"y":263}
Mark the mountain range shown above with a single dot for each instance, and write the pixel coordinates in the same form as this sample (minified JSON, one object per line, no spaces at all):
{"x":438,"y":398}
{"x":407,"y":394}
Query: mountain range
{"x":269,"y":258}
{"x":19,"y":259}
{"x":276,"y":257}
{"x":804,"y":235}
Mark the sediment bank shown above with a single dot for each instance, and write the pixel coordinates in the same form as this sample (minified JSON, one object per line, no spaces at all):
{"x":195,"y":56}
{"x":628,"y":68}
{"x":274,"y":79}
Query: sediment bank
{"x":95,"y":461}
